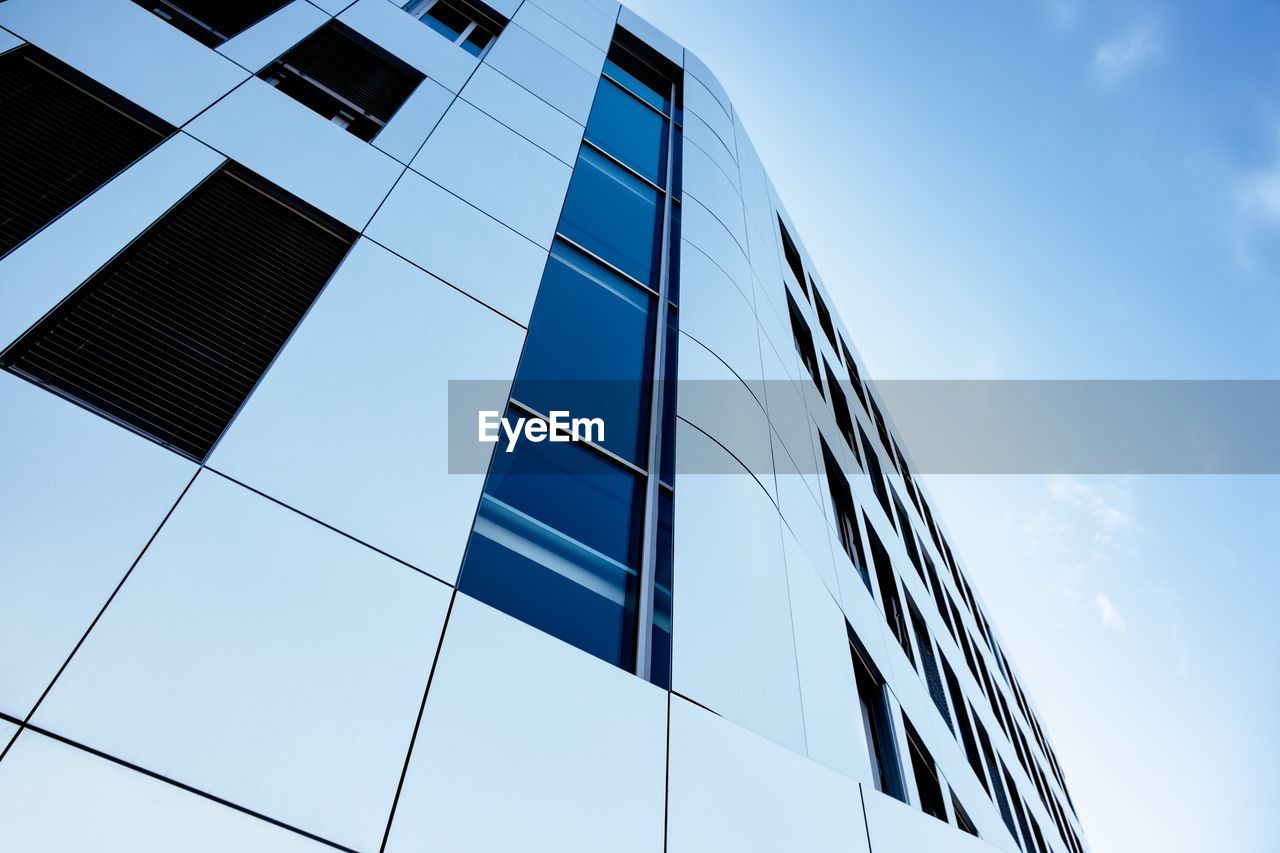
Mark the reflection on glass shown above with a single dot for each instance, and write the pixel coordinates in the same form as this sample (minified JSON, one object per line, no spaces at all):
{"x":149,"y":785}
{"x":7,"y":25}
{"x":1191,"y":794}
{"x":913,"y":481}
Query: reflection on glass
{"x":654,"y":91}
{"x":660,"y":666}
{"x":629,"y":131}
{"x":589,"y":350}
{"x":547,"y":580}
{"x":573,"y":490}
{"x":613,"y":214}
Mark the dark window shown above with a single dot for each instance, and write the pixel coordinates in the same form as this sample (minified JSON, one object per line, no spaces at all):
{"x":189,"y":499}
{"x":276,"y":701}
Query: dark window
{"x":854,"y":378}
{"x":939,"y":599}
{"x":583,"y":308}
{"x":883,"y":430}
{"x":641,"y":70}
{"x":840,"y":405}
{"x":994,"y":772}
{"x":557,"y":543}
{"x":889,"y":600}
{"x":792,"y":254}
{"x":964,"y":724}
{"x":63,"y":137}
{"x":629,"y":129}
{"x":211,"y":22}
{"x":171,"y":336}
{"x":908,"y":536}
{"x":824,"y":317}
{"x":613,"y":214}
{"x":876,"y":726}
{"x":1018,"y":809}
{"x":875,"y":473}
{"x":932,"y":678}
{"x":962,"y":817}
{"x":1035,"y":828}
{"x":804,"y":342}
{"x":845,"y":513}
{"x":470,"y":25}
{"x":344,"y":77}
{"x":926,"y":775}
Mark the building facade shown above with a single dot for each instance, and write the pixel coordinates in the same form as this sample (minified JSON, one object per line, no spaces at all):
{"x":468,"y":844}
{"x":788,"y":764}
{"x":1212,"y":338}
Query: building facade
{"x":249,"y":597}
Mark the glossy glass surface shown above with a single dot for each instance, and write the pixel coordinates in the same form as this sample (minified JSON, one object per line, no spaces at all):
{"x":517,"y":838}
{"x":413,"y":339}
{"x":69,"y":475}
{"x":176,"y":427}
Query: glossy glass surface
{"x":613,"y":214}
{"x":652,"y":92}
{"x":589,"y":351}
{"x":573,"y":490}
{"x":629,"y":130}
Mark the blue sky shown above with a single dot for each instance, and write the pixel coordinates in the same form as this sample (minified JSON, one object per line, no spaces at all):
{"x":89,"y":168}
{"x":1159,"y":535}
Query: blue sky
{"x":1063,"y":189}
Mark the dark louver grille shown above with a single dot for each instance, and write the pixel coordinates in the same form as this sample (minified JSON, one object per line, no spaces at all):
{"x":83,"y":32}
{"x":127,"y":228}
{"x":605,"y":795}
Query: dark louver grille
{"x":172,"y":335}
{"x":62,"y":137}
{"x":335,"y":70}
{"x":211,"y":22}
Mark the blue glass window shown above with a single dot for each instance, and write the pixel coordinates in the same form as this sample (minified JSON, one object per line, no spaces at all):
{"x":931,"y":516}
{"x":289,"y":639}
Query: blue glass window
{"x":660,"y":666}
{"x":545,"y":580}
{"x":652,"y":91}
{"x":589,"y":351}
{"x":629,"y":130}
{"x":613,"y":214}
{"x":556,"y":544}
{"x":574,"y":490}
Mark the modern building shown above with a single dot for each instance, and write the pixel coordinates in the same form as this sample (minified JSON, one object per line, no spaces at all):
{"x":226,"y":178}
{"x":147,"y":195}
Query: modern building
{"x":248,"y":601}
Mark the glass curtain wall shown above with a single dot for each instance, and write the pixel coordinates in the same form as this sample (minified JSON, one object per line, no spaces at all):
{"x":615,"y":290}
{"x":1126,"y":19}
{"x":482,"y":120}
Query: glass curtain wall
{"x":575,"y":538}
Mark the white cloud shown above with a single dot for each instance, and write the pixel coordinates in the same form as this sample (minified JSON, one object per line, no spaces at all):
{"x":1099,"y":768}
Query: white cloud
{"x":1122,"y":56}
{"x":1259,"y":192}
{"x":1109,"y":506}
{"x":1111,"y":617}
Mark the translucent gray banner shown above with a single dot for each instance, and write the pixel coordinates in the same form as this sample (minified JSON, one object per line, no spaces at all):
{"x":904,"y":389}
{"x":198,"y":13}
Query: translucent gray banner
{"x":943,"y":426}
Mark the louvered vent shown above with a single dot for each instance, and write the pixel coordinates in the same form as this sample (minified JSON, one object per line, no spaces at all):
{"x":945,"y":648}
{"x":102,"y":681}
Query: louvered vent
{"x":62,"y":137}
{"x":171,"y":336}
{"x":211,"y":22}
{"x":344,"y":77}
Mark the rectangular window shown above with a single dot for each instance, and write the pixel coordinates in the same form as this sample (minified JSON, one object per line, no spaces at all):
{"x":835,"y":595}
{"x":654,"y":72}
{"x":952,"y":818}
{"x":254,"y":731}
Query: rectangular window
{"x":211,"y":22}
{"x":63,"y":137}
{"x":854,"y":378}
{"x":840,"y":406}
{"x":792,"y":255}
{"x":344,"y":77}
{"x":932,"y":678}
{"x":889,"y":600}
{"x":875,"y":473}
{"x":939,"y":599}
{"x":615,"y":215}
{"x":583,"y":307}
{"x":557,"y":544}
{"x":846,"y":514}
{"x":926,"y":775}
{"x":908,"y":536}
{"x":171,"y":335}
{"x":1019,"y":810}
{"x":962,"y":817}
{"x":470,"y":25}
{"x":964,"y":724}
{"x":576,"y":539}
{"x":824,"y":317}
{"x":993,"y":772}
{"x":803,"y":339}
{"x":877,"y":727}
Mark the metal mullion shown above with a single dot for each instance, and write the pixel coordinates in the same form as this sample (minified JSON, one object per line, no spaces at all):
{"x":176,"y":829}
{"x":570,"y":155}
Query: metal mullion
{"x":466,"y":31}
{"x":612,"y":159}
{"x":603,"y":451}
{"x":649,"y":543}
